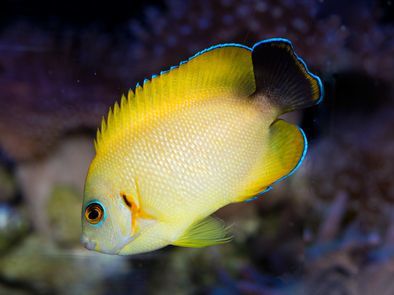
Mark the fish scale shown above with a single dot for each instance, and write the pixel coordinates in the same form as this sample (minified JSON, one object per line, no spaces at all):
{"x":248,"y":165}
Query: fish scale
{"x":175,"y":155}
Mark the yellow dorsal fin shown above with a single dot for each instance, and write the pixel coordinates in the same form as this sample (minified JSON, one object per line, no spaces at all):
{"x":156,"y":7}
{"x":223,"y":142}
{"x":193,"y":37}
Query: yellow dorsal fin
{"x":285,"y":149}
{"x":219,"y":72}
{"x":207,"y":232}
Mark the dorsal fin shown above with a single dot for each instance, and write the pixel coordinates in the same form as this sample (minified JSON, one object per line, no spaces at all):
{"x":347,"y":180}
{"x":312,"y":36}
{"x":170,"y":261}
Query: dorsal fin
{"x":220,"y":71}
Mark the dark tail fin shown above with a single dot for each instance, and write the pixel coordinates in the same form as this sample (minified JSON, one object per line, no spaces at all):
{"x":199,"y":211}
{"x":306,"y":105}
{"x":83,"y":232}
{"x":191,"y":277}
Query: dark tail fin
{"x":282,"y":77}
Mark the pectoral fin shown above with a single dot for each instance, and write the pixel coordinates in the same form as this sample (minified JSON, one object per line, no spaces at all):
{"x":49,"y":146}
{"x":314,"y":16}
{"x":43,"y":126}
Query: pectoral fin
{"x":206,"y":232}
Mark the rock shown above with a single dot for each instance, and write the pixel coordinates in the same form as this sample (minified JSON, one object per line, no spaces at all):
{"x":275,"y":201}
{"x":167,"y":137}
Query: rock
{"x":64,"y":215}
{"x":7,"y":185}
{"x":13,"y":226}
{"x":42,"y":268}
{"x":13,"y":291}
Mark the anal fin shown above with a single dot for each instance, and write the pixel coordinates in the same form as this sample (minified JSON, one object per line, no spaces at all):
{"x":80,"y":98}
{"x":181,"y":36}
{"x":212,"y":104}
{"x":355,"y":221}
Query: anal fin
{"x":206,"y":232}
{"x":282,"y":153}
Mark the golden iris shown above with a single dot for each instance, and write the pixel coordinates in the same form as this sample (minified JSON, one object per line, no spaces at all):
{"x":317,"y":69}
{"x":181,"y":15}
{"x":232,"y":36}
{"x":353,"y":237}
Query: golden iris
{"x":94,"y":213}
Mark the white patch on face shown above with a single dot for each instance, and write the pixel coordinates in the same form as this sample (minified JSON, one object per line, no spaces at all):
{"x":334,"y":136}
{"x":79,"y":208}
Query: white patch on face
{"x":114,"y":233}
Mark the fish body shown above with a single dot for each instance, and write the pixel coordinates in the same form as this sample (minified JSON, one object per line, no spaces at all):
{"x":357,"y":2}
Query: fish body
{"x":192,"y":140}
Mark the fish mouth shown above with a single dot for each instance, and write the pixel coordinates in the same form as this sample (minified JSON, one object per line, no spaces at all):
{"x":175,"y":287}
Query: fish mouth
{"x":88,"y":243}
{"x":92,"y":245}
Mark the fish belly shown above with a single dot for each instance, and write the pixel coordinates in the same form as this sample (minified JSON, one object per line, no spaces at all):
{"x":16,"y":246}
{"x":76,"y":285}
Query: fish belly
{"x":189,"y":163}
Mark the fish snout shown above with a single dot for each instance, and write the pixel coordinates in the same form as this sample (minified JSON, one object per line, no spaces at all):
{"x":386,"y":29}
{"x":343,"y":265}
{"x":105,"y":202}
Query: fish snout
{"x":88,"y":243}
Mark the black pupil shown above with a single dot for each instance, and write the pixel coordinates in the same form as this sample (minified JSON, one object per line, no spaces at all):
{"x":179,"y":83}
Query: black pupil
{"x":94,"y":214}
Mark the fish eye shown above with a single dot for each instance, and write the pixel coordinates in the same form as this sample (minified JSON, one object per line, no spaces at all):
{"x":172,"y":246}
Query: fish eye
{"x":94,"y":213}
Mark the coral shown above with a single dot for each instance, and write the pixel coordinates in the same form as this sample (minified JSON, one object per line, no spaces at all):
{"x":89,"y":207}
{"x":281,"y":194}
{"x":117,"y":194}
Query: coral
{"x":332,"y":43}
{"x":349,"y":232}
{"x":190,"y":26}
{"x":49,"y":97}
{"x":357,"y":160}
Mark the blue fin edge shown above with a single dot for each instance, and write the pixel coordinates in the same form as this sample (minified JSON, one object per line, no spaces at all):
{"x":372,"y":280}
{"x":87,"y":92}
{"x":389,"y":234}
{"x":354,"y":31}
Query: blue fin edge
{"x":317,"y":78}
{"x":258,"y":195}
{"x":301,"y":159}
{"x":194,"y":56}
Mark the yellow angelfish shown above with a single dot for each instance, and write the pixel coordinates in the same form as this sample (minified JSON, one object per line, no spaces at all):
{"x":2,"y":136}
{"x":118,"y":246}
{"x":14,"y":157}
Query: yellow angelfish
{"x":191,"y":140}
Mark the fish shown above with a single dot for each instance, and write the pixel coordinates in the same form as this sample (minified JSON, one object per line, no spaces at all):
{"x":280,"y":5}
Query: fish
{"x":191,"y":140}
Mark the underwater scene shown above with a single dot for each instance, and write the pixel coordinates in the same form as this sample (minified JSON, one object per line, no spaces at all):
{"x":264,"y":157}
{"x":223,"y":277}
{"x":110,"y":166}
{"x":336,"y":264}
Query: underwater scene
{"x":174,"y":185}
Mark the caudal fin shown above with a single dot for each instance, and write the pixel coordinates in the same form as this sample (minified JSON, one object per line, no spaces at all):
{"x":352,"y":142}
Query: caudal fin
{"x":282,"y":77}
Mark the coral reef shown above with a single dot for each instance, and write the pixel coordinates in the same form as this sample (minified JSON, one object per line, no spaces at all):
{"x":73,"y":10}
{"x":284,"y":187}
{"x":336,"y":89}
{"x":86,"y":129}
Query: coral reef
{"x":350,"y":192}
{"x":50,"y":97}
{"x":358,"y":161}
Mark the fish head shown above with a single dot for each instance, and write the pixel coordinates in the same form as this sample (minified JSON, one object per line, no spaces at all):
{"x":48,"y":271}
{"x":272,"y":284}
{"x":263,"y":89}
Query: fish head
{"x":106,"y":219}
